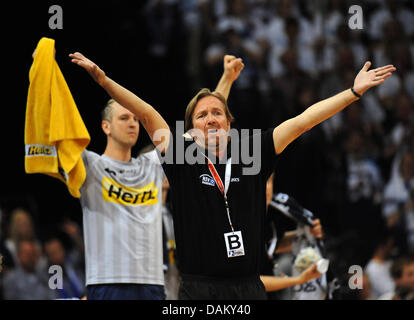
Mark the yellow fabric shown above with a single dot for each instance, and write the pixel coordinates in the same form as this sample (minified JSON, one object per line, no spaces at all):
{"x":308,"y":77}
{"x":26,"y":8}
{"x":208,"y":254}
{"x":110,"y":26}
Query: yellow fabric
{"x":55,"y":135}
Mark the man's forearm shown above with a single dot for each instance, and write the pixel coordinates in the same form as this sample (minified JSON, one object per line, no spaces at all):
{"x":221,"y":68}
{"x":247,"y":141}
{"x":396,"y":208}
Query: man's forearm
{"x":273,"y":283}
{"x":291,"y":129}
{"x":232,"y":68}
{"x":126,"y":98}
{"x":153,"y":122}
{"x":224,"y":86}
{"x":145,"y":113}
{"x":327,"y":108}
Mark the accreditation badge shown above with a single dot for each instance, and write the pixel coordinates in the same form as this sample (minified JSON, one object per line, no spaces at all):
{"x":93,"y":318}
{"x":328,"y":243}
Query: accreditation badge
{"x":234,"y":244}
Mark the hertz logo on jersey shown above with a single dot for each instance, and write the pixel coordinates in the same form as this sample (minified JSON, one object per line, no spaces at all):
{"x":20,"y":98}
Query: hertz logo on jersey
{"x":40,"y":150}
{"x":115,"y":192}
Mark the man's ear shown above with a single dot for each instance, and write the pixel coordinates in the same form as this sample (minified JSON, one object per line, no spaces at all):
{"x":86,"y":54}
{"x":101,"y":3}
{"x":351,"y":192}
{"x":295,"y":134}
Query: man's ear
{"x":106,"y":127}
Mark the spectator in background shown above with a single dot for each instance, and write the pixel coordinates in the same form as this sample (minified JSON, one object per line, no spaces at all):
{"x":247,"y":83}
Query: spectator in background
{"x":398,"y":208}
{"x":160,"y":18}
{"x":404,"y":54}
{"x":26,"y":282}
{"x":378,"y":269}
{"x":400,"y":49}
{"x":197,"y":25}
{"x":356,"y":119}
{"x":393,"y":34}
{"x":404,"y":119}
{"x":237,"y":18}
{"x":290,"y":81}
{"x":387,"y":96}
{"x":353,"y":39}
{"x":73,"y":274}
{"x":395,"y":149}
{"x":289,"y":28}
{"x":21,"y":227}
{"x":279,"y":241}
{"x":326,"y":24}
{"x":73,"y":232}
{"x":364,"y":177}
{"x":334,"y":16}
{"x":390,"y":9}
{"x":402,"y":271}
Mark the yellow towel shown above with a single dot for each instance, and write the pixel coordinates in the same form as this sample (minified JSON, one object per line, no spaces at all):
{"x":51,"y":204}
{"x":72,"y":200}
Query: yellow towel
{"x":55,"y":135}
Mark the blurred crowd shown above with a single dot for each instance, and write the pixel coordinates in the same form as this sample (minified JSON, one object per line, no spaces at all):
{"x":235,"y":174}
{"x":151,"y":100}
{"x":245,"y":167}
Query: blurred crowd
{"x":41,"y":267}
{"x":354,"y":171}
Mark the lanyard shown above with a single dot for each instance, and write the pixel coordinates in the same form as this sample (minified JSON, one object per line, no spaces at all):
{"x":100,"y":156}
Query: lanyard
{"x":223,"y":188}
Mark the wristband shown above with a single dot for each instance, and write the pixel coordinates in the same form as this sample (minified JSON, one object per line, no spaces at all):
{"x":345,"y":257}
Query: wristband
{"x":355,"y":93}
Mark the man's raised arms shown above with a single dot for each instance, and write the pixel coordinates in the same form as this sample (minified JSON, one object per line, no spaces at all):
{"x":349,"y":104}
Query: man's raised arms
{"x":146,"y":114}
{"x":291,"y":129}
{"x":152,"y":121}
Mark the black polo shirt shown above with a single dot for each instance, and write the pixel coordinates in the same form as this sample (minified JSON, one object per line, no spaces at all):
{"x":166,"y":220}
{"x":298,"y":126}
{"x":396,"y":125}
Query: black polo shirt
{"x":200,"y":217}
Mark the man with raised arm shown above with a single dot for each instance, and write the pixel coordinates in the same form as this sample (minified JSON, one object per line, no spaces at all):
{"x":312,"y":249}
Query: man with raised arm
{"x":219,"y":204}
{"x":121,"y":198}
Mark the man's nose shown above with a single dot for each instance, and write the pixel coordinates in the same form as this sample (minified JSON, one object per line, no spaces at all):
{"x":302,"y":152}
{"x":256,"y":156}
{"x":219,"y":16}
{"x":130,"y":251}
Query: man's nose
{"x":210,"y":118}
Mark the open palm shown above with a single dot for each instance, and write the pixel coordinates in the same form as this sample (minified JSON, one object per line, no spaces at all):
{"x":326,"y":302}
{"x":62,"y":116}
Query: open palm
{"x":94,"y":71}
{"x":367,"y":79}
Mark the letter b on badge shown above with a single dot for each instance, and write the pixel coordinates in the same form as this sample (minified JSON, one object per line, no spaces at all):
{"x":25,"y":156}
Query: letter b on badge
{"x":234,"y":244}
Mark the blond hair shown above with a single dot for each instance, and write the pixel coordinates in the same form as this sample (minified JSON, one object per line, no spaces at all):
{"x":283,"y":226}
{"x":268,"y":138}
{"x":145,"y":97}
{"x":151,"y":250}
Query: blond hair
{"x":108,"y":110}
{"x":193,"y":103}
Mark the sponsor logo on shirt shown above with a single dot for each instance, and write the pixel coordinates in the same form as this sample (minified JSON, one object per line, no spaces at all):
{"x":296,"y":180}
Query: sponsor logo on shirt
{"x":40,"y":150}
{"x":235,"y":180}
{"x":114,"y":192}
{"x":207,"y":180}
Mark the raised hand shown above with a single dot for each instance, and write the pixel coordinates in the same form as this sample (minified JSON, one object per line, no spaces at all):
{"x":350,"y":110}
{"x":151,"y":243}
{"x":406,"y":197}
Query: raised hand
{"x":367,"y":79}
{"x":94,"y":71}
{"x":309,"y":274}
{"x":232,"y":67}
